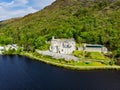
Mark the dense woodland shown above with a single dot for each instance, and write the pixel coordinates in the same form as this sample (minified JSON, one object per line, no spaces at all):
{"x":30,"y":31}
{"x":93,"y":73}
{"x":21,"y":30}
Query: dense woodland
{"x":88,"y":21}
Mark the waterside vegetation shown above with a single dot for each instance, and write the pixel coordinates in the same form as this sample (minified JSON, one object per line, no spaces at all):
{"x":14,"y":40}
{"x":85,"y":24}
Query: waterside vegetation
{"x":79,"y":65}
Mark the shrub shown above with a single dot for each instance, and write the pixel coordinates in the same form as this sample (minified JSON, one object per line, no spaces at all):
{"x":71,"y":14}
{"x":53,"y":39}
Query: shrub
{"x":118,"y":61}
{"x":106,"y":63}
{"x":112,"y":62}
{"x":44,"y":47}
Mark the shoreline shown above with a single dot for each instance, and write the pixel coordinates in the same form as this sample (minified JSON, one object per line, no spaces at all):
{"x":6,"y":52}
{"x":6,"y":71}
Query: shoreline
{"x":71,"y":67}
{"x":67,"y":66}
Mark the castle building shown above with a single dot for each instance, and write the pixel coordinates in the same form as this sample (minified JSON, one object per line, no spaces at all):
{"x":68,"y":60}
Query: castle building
{"x":62,"y":46}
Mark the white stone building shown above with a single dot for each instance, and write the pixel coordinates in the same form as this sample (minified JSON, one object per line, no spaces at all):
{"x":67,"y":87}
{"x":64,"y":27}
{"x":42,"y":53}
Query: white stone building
{"x":93,"y":48}
{"x":62,"y":46}
{"x":12,"y":47}
{"x":1,"y":49}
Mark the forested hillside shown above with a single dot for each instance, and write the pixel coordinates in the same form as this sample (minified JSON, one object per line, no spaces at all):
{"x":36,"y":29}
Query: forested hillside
{"x":88,"y":21}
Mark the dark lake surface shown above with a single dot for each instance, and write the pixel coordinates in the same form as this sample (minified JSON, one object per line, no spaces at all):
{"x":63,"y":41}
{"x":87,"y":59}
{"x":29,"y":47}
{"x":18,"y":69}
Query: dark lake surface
{"x":21,"y":73}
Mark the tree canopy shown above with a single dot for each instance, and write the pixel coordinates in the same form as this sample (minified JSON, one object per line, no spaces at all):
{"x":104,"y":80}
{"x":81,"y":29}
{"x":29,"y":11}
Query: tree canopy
{"x":88,"y":21}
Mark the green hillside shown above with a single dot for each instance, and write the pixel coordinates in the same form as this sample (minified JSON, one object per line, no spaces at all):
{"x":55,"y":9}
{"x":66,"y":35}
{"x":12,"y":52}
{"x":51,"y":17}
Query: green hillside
{"x":88,"y":21}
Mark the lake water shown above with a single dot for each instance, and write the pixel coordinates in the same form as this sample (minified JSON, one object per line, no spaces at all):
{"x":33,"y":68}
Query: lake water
{"x":21,"y":73}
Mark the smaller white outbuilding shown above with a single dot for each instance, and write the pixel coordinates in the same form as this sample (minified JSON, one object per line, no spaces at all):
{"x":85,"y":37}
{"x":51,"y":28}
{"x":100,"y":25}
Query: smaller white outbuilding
{"x":1,"y":49}
{"x":93,"y":48}
{"x":12,"y":47}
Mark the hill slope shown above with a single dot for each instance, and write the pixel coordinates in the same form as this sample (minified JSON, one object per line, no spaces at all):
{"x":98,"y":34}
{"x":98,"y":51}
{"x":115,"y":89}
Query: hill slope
{"x":90,"y":21}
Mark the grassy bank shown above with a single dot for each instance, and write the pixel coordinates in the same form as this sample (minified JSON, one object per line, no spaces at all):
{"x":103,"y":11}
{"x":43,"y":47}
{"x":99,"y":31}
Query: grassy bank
{"x":69,"y":64}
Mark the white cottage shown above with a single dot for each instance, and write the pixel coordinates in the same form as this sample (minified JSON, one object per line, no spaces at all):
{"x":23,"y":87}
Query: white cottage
{"x":62,"y":46}
{"x":12,"y":47}
{"x":1,"y":48}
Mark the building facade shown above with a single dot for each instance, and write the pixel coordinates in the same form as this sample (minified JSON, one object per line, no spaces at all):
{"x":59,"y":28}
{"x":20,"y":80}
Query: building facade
{"x":62,"y":46}
{"x":93,"y":48}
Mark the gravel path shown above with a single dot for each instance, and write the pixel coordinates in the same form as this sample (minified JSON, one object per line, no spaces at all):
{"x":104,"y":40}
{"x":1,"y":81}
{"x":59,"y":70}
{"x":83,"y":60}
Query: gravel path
{"x":57,"y":55}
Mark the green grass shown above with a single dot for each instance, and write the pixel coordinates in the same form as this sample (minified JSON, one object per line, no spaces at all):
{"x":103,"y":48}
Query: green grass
{"x":89,"y":63}
{"x":96,"y":55}
{"x":79,"y":54}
